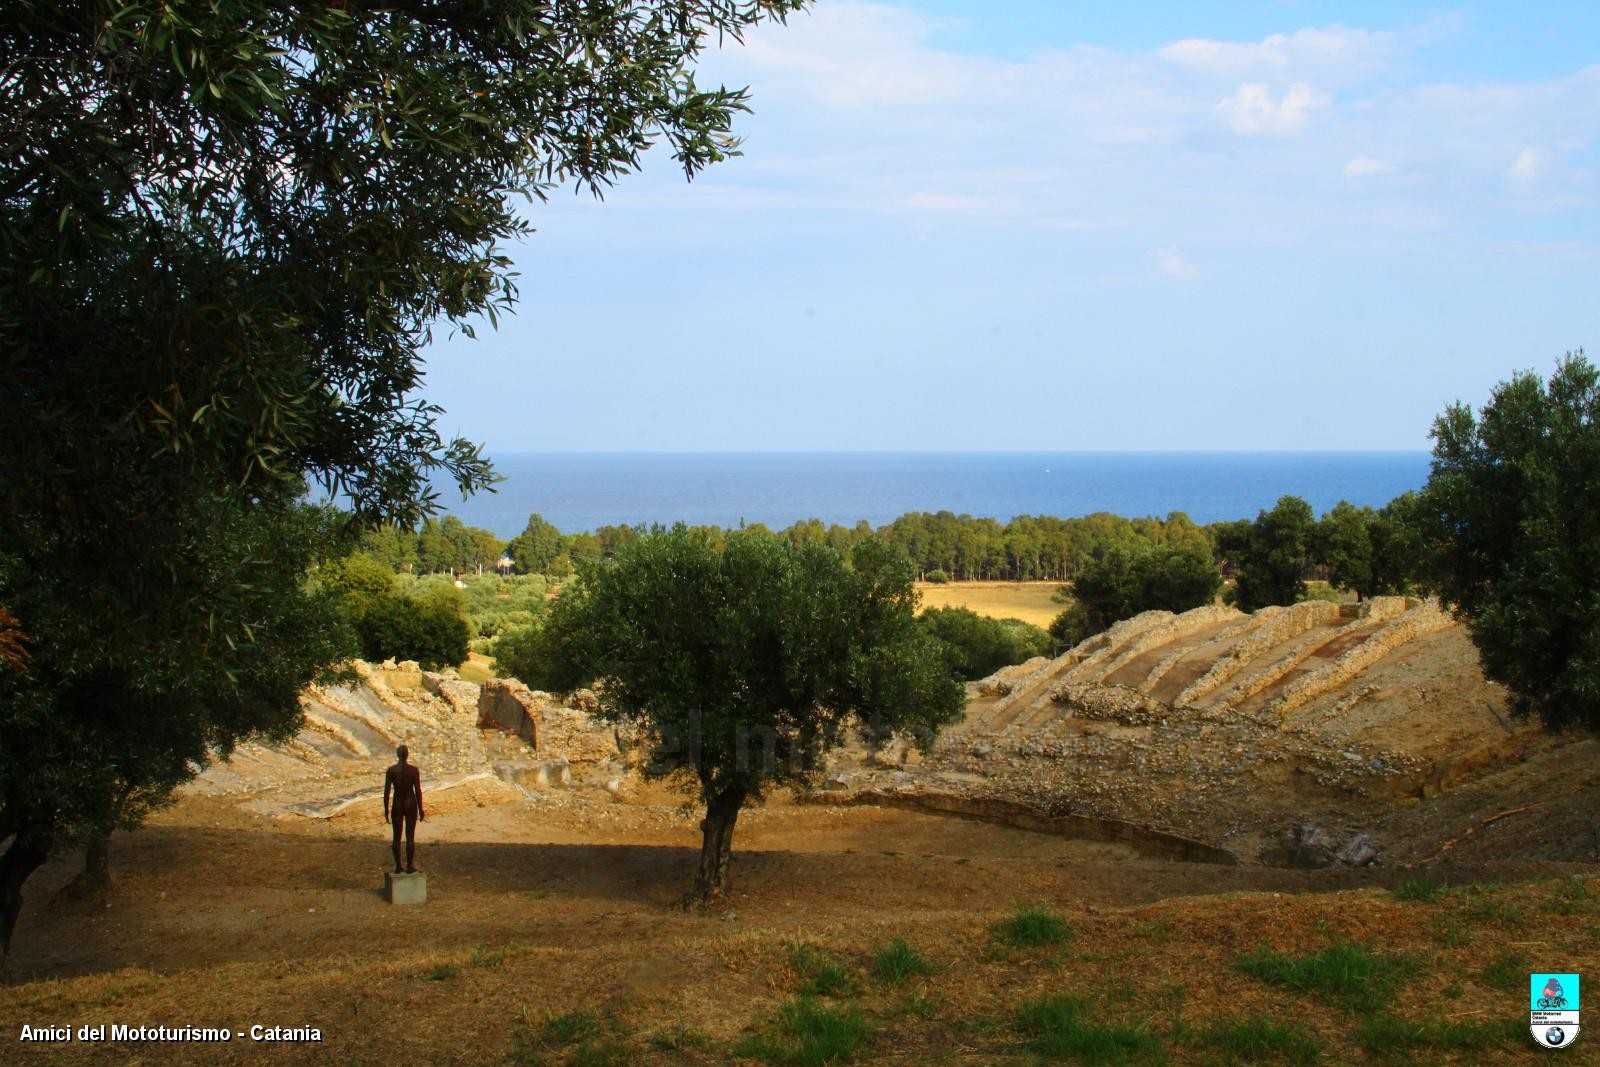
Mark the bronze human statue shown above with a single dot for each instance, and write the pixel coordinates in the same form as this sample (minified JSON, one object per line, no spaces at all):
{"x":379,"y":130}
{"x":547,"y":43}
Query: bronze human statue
{"x":406,"y":783}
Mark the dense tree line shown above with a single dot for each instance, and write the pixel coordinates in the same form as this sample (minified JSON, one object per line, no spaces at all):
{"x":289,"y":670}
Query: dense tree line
{"x":1118,"y":566}
{"x":1028,"y":548}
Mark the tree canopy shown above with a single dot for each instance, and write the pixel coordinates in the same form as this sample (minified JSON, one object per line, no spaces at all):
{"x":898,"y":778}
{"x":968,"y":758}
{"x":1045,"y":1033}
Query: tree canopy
{"x":1514,"y":536}
{"x":976,"y":646}
{"x":1271,"y":557}
{"x":1119,"y":583}
{"x":741,"y":666}
{"x":226,"y":233}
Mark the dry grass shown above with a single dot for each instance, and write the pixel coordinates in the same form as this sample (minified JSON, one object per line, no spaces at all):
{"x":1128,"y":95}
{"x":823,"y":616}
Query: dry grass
{"x":1181,"y":1002}
{"x":1028,"y":601}
{"x":478,"y":668}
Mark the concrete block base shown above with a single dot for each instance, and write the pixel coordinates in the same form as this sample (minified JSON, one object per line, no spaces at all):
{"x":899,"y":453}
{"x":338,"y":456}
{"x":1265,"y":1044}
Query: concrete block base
{"x":405,"y":888}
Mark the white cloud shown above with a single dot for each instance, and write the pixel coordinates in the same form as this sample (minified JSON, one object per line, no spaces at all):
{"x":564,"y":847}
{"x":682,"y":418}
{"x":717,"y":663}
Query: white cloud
{"x":864,"y":109}
{"x":1331,"y":54}
{"x":1171,"y":263}
{"x":858,"y":55}
{"x":1252,"y":111}
{"x":1529,"y":165}
{"x":1363,"y":166}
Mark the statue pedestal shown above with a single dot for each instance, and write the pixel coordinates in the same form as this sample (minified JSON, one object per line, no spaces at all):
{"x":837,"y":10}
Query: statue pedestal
{"x":405,"y":888}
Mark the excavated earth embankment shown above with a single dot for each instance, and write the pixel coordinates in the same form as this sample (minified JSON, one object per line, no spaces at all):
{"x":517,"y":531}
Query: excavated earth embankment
{"x":1311,"y":735}
{"x":1308,"y":736}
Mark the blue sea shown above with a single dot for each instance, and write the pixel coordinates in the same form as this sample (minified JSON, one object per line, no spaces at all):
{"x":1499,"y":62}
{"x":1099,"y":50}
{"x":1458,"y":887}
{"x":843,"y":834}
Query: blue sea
{"x":580,"y":491}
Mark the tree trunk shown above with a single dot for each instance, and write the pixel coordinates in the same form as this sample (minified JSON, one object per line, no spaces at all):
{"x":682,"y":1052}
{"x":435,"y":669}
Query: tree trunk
{"x":95,"y":878}
{"x":716,"y":847}
{"x":27,"y":852}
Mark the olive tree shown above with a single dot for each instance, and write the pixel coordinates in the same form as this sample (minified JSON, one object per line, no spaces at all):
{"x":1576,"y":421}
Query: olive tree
{"x":1271,"y":562}
{"x":740,"y":667}
{"x":1514,"y":536}
{"x":227,"y":232}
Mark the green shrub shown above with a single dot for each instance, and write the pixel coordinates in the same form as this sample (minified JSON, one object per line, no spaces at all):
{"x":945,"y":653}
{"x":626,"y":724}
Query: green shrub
{"x":1073,"y":626}
{"x":898,"y":961}
{"x":356,"y":575}
{"x":1033,"y":926}
{"x":1420,"y":890}
{"x":401,"y":628}
{"x":808,"y":1034}
{"x":976,"y":646}
{"x":820,"y":974}
{"x":1324,"y":592}
{"x":1056,"y":1028}
{"x":937,"y":577}
{"x":1348,"y":974}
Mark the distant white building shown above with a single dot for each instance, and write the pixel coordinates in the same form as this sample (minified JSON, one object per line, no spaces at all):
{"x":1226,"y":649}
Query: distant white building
{"x":503,"y":566}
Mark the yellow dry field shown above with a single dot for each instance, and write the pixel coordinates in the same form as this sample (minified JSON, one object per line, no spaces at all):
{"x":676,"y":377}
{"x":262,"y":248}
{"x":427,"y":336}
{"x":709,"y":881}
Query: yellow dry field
{"x":1028,"y":601}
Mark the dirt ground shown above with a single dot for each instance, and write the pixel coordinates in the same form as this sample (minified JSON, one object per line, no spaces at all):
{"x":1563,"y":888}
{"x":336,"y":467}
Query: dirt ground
{"x":536,"y":912}
{"x":551,"y":933}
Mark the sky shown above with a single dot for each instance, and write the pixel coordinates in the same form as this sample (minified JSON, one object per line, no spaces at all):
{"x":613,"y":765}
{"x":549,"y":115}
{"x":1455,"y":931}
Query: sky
{"x":1042,"y":225}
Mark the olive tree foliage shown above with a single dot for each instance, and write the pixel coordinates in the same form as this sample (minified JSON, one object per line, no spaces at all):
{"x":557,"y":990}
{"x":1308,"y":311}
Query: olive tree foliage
{"x":1514,"y":536}
{"x":1372,"y":552}
{"x":976,"y":646}
{"x":228,"y":228}
{"x":1120,"y":582}
{"x":740,"y":667}
{"x":226,"y":231}
{"x":108,"y":713}
{"x":1270,"y":559}
{"x":1342,"y":542}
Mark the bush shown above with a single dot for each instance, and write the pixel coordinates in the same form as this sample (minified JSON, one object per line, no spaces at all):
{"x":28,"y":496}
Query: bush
{"x":898,"y":961}
{"x":397,"y":627}
{"x":1073,"y":626}
{"x":937,"y":577}
{"x":1349,"y":974}
{"x":1033,"y":926}
{"x":356,"y":576}
{"x":977,"y":646}
{"x":1056,"y":1028}
{"x":807,"y":1034}
{"x":1121,"y":582}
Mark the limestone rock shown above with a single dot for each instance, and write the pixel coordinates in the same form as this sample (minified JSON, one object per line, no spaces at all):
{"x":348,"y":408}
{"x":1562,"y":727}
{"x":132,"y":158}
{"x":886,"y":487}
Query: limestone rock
{"x":511,"y":706}
{"x":890,"y":754}
{"x":1310,"y":847}
{"x":1359,"y":851}
{"x":577,"y":736}
{"x":555,"y":774}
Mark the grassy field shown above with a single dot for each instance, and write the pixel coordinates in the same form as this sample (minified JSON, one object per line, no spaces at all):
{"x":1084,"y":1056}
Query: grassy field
{"x":1028,"y":601}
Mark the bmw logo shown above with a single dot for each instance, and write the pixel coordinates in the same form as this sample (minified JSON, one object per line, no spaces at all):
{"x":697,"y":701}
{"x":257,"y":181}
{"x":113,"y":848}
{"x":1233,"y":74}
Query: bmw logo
{"x":1555,"y":1036}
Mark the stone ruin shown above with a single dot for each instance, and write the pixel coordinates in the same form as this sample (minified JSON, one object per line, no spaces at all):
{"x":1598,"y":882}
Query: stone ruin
{"x":513,"y":707}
